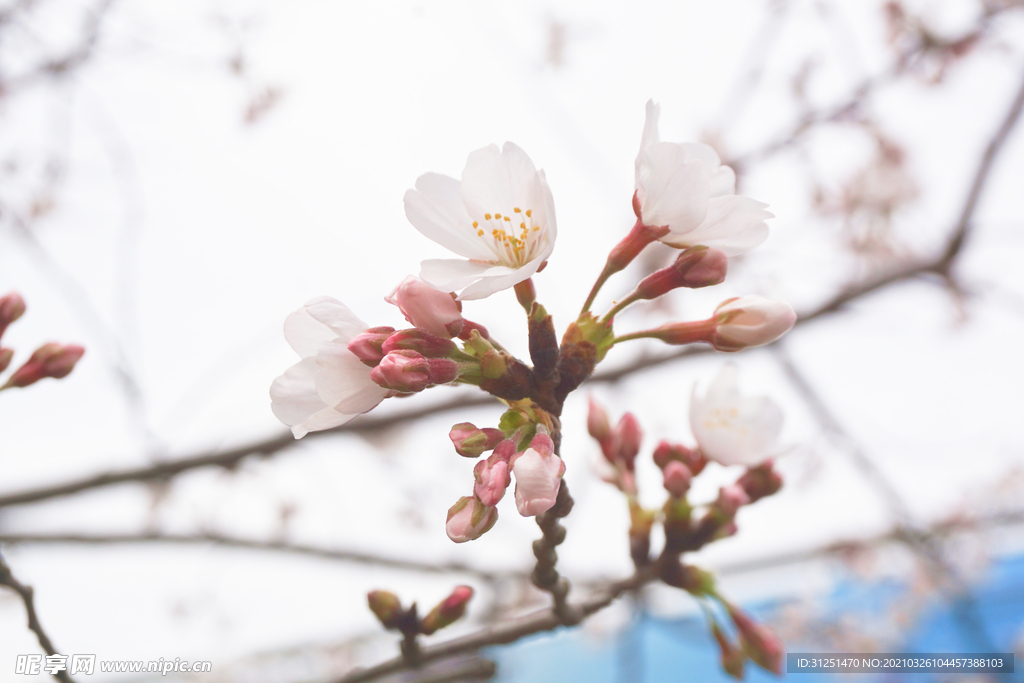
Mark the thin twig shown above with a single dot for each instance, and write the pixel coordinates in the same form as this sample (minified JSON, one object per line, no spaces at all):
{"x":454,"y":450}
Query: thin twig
{"x":27,"y":597}
{"x":254,"y":544}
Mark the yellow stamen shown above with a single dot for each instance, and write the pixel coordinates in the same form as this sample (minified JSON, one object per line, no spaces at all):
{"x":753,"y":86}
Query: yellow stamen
{"x":475,"y":224}
{"x":497,"y":215}
{"x":529,"y":212}
{"x":487,"y":216}
{"x":480,"y":233}
{"x":517,"y":210}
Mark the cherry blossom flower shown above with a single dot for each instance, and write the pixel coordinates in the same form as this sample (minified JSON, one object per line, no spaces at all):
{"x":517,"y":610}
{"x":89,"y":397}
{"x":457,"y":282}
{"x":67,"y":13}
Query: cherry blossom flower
{"x":685,"y":187}
{"x":751,"y":321}
{"x":330,"y":385}
{"x":500,"y":217}
{"x":538,"y":474}
{"x":732,"y":429}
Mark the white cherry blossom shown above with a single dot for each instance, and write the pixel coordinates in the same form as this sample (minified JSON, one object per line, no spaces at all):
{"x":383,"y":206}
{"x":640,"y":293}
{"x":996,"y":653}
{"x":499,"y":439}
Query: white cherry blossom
{"x":733,"y":429}
{"x":329,"y":386}
{"x":500,"y":217}
{"x":685,"y":186}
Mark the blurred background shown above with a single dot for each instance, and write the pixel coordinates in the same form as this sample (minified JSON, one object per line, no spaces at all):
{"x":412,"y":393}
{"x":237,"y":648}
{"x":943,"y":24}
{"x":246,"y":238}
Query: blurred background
{"x":175,"y":178}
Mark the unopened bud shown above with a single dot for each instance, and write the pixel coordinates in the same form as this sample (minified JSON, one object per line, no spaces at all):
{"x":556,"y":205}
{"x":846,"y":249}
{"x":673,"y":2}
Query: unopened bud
{"x":433,"y":310}
{"x":366,"y":346}
{"x":627,"y":437}
{"x":448,"y":611}
{"x":420,"y":341}
{"x":758,"y":641}
{"x":750,"y":321}
{"x":668,"y":452}
{"x":492,"y":479}
{"x":696,"y":267}
{"x":677,"y":477}
{"x":49,"y":360}
{"x":730,"y":499}
{"x":691,"y":579}
{"x":597,"y":421}
{"x":469,"y":519}
{"x":471,"y":442}
{"x":405,"y":371}
{"x":386,"y":607}
{"x":5,"y":358}
{"x":733,"y":658}
{"x":761,"y":481}
{"x":12,"y":307}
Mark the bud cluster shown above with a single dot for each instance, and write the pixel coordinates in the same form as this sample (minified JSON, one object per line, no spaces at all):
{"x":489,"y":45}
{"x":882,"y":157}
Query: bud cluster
{"x":49,"y":360}
{"x":388,"y":609}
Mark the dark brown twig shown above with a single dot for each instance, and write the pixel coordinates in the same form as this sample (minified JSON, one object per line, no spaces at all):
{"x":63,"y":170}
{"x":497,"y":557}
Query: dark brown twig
{"x":27,"y":597}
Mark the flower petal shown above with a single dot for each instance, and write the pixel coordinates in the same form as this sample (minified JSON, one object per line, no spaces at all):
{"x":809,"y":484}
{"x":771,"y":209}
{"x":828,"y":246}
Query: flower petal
{"x":336,"y":316}
{"x":734,"y":224}
{"x":435,"y":208}
{"x":343,"y":382}
{"x":673,"y":191}
{"x":295,"y":402}
{"x":451,"y":275}
{"x":305,"y":334}
{"x":732,"y":429}
{"x":650,"y":135}
{"x":497,"y":279}
{"x":498,"y":181}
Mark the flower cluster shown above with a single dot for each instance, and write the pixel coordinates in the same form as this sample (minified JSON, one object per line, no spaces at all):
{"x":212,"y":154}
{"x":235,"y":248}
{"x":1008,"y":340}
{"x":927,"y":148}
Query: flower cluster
{"x":49,"y":360}
{"x":499,"y":217}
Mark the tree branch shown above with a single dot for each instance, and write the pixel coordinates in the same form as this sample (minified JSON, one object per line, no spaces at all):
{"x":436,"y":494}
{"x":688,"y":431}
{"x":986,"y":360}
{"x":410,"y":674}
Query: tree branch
{"x":27,"y":597}
{"x":253,"y":544}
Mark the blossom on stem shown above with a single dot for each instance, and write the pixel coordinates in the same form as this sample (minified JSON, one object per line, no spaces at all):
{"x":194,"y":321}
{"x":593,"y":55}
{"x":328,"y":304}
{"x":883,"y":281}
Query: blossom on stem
{"x":677,"y":477}
{"x":423,"y":306}
{"x":367,"y":346}
{"x":49,"y":360}
{"x":696,"y":267}
{"x":732,"y":429}
{"x":685,"y":187}
{"x":448,"y":611}
{"x":12,"y":307}
{"x":750,"y":321}
{"x":386,"y":606}
{"x":500,"y":217}
{"x":626,"y":439}
{"x":758,"y":641}
{"x":471,"y":442}
{"x":469,"y":519}
{"x":538,"y":474}
{"x":492,"y":478}
{"x":406,"y":371}
{"x":330,"y":385}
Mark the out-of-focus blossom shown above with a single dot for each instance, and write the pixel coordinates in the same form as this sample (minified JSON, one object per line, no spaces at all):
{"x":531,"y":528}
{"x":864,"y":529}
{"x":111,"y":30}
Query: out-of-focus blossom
{"x":330,"y":385}
{"x":500,"y":217}
{"x":386,"y":607}
{"x":428,"y":308}
{"x":751,"y":321}
{"x":469,"y":519}
{"x":538,"y":474}
{"x":677,"y":477}
{"x":758,"y":641}
{"x":12,"y":307}
{"x":448,"y":611}
{"x":49,"y":360}
{"x":733,"y":429}
{"x":685,"y":187}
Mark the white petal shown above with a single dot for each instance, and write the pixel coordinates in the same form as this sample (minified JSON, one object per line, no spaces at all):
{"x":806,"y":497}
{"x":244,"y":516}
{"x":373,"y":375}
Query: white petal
{"x":305,"y":334}
{"x":435,"y":208}
{"x":295,"y":402}
{"x":734,"y":224}
{"x":451,"y":275}
{"x":733,"y":429}
{"x":498,"y":181}
{"x":674,"y":191}
{"x":706,"y":153}
{"x":343,"y":382}
{"x":336,"y":316}
{"x":722,"y":182}
{"x":547,"y":209}
{"x":499,"y":278}
{"x":650,"y":135}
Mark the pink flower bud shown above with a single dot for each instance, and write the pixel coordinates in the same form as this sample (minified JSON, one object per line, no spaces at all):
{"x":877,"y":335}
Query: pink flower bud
{"x":469,"y":519}
{"x":623,"y":253}
{"x":677,"y":478}
{"x":49,"y":360}
{"x":695,"y":267}
{"x":538,"y":477}
{"x":758,"y":641}
{"x":730,"y":499}
{"x":405,"y":371}
{"x":386,"y":607}
{"x":761,"y":481}
{"x":448,"y":611}
{"x":733,"y":658}
{"x":471,"y":442}
{"x":667,"y":452}
{"x":12,"y":307}
{"x":5,"y":358}
{"x":420,"y":341}
{"x":367,"y":345}
{"x":492,"y":478}
{"x":597,"y":421}
{"x":423,"y":306}
{"x":750,"y":321}
{"x":627,"y":436}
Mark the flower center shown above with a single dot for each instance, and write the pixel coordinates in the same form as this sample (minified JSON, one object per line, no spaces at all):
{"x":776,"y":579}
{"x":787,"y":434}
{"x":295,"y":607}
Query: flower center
{"x":499,"y":232}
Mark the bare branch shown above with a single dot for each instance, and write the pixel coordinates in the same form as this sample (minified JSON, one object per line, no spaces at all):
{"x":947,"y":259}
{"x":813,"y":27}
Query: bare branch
{"x":254,"y":544}
{"x":27,"y":597}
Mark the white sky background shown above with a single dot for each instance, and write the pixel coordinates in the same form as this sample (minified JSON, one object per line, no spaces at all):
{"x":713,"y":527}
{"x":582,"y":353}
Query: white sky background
{"x":192,"y":234}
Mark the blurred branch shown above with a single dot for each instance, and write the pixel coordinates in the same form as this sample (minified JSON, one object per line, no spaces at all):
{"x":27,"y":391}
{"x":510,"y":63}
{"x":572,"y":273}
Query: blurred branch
{"x":27,"y":597}
{"x":253,"y":544}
